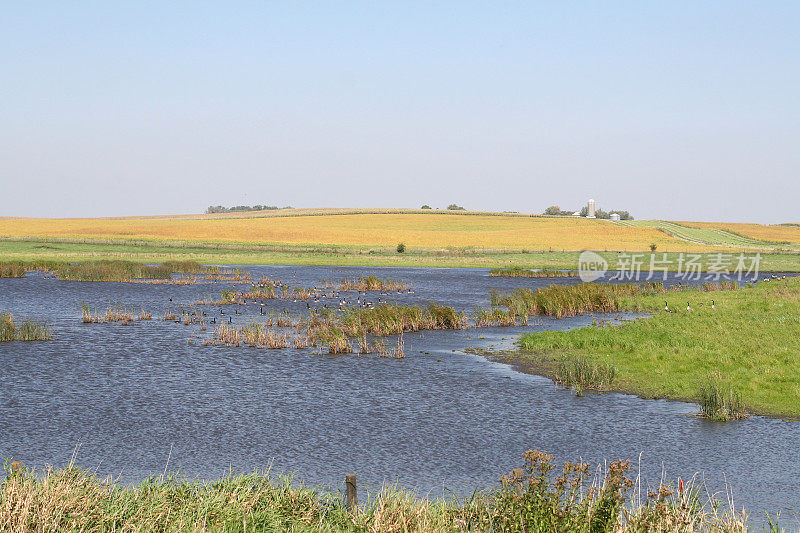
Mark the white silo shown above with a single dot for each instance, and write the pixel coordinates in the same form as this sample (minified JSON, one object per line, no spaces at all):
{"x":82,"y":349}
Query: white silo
{"x":590,"y":209}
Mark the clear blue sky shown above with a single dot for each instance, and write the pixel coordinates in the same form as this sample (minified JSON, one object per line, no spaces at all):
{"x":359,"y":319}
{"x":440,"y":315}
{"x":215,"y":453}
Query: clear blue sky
{"x":679,"y":110}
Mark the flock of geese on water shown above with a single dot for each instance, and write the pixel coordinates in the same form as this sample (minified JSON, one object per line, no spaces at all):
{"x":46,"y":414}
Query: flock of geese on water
{"x":341,"y":303}
{"x":690,"y":309}
{"x":369,"y":304}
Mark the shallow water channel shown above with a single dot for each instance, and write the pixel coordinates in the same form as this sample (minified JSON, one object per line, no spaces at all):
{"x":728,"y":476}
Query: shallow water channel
{"x":133,"y":398}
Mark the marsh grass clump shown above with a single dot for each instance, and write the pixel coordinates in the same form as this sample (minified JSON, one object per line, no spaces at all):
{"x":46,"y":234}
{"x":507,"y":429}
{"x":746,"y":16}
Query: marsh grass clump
{"x":445,"y":317}
{"x":495,"y":317}
{"x":255,"y":335}
{"x":109,"y":270}
{"x":118,"y":314}
{"x":652,"y":287}
{"x":719,"y":401}
{"x":581,"y":373}
{"x":721,"y":285}
{"x":364,"y":346}
{"x":224,"y":334}
{"x":258,"y":336}
{"x":228,"y":298}
{"x":8,"y":331}
{"x":301,"y":341}
{"x":88,"y":316}
{"x":394,"y":319}
{"x":285,"y":320}
{"x":566,"y":300}
{"x":115,"y":313}
{"x":368,"y":283}
{"x":520,"y":272}
{"x":338,"y":343}
{"x":263,"y":290}
{"x":26,"y":331}
{"x":398,"y":352}
{"x":185,"y":267}
{"x":12,"y":270}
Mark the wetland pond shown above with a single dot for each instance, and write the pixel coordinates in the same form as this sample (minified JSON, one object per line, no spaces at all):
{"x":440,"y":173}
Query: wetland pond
{"x":132,"y":398}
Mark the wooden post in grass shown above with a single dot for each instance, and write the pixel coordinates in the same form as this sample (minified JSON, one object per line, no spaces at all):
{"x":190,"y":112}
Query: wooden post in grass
{"x":517,"y":476}
{"x":351,"y":499}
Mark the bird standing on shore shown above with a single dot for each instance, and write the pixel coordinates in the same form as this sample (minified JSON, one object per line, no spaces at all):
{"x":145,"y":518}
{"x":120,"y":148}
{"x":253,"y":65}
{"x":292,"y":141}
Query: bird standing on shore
{"x":689,"y":307}
{"x":666,"y":307}
{"x":713,"y":305}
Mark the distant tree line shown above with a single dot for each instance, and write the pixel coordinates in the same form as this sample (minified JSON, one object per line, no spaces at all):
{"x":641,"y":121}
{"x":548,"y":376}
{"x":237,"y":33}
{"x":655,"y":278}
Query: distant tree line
{"x":240,"y":208}
{"x":554,"y":210}
{"x":451,"y":207}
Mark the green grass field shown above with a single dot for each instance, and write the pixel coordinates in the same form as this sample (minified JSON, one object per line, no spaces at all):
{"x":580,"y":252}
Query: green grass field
{"x":749,"y":341}
{"x":159,"y":252}
{"x":709,"y":236}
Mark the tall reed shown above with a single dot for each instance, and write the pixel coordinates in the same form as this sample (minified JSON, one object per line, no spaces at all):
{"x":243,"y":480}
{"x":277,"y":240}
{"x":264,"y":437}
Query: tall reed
{"x":12,"y":270}
{"x":719,"y":401}
{"x":580,"y":373}
{"x":26,"y":331}
{"x":368,"y":283}
{"x":566,"y":300}
{"x":519,"y":272}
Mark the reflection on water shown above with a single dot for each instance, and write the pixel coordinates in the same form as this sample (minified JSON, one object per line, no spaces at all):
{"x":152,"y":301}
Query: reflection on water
{"x":130,"y":394}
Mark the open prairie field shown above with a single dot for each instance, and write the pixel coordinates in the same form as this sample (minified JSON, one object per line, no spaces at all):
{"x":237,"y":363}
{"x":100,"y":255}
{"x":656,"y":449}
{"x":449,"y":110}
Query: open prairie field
{"x":434,"y":230}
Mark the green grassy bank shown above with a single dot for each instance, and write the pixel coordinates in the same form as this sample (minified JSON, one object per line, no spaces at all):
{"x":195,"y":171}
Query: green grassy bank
{"x":219,"y":254}
{"x":746,"y":342}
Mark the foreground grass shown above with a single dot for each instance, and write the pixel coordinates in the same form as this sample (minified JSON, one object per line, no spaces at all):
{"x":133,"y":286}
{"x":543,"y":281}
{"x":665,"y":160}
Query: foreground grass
{"x":533,"y":498}
{"x":72,"y":250}
{"x":747,"y":344}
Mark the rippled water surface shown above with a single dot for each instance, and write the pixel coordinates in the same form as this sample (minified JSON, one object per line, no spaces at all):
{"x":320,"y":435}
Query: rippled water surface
{"x":134,"y":397}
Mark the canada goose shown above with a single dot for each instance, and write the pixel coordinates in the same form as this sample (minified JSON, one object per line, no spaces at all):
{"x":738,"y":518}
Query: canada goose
{"x":713,"y":305}
{"x":666,"y":307}
{"x":230,"y":320}
{"x":689,"y":307}
{"x":213,"y":320}
{"x":262,"y":312}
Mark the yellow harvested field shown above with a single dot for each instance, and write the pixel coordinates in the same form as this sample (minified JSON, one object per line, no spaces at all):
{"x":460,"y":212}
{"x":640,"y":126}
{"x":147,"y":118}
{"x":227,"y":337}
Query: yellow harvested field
{"x":790,"y":234}
{"x":429,"y":231}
